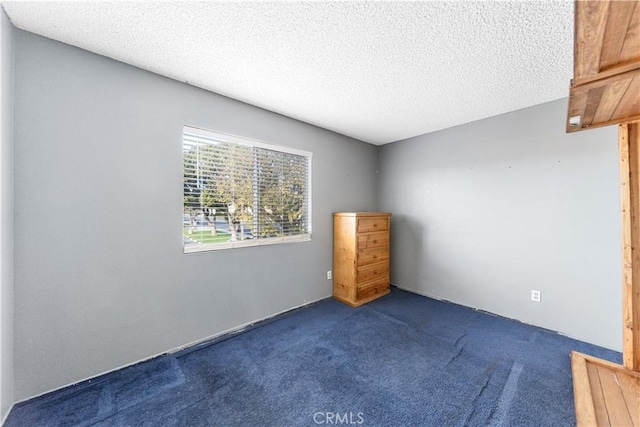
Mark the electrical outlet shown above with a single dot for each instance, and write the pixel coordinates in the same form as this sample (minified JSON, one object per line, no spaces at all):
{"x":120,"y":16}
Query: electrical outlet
{"x":535,"y":295}
{"x":329,"y":275}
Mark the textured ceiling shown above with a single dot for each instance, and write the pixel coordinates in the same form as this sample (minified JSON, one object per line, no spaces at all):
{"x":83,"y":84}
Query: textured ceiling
{"x":377,"y":71}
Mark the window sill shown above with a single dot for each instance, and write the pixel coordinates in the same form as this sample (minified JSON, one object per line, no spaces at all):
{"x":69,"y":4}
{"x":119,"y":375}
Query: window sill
{"x":204,"y":247}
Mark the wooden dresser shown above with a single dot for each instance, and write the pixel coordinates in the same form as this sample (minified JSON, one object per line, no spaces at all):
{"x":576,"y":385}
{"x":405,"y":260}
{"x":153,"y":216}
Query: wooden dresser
{"x":360,"y":256}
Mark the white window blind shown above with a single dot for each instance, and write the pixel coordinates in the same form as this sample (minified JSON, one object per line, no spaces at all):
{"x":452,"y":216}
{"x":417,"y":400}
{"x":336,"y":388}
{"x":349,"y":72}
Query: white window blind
{"x":239,"y":192}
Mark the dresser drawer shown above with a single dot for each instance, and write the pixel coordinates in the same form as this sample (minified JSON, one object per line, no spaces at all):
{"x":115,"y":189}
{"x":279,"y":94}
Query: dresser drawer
{"x":372,"y":272}
{"x":372,"y":256}
{"x":367,"y":225}
{"x":373,"y":240}
{"x":371,"y":289}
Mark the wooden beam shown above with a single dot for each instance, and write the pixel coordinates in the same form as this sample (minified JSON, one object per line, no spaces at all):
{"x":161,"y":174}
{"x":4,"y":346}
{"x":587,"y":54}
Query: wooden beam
{"x":585,"y":410}
{"x":629,"y":148}
{"x":615,"y":97}
{"x":623,"y":67}
{"x":630,"y":72}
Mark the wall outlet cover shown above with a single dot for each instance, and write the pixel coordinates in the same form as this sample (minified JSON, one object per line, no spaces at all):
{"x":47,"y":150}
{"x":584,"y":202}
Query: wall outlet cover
{"x":535,"y":295}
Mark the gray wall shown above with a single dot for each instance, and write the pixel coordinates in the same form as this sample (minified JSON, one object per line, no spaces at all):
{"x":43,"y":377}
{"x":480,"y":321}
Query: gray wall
{"x":488,"y":211}
{"x":483,"y":213}
{"x":100,"y":277}
{"x":6,"y":214}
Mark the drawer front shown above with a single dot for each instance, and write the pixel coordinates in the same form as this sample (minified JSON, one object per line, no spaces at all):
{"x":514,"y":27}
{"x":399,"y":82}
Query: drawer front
{"x":372,"y":256}
{"x":371,"y":289}
{"x":373,"y":272}
{"x":368,"y":225}
{"x":373,"y":240}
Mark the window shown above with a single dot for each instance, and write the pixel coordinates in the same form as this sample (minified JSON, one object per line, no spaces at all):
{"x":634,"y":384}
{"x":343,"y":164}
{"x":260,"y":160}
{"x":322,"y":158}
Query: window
{"x":239,"y":192}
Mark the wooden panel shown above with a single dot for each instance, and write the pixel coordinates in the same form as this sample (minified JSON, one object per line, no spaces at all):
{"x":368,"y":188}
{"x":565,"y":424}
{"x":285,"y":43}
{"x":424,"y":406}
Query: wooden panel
{"x":373,"y":289}
{"x":585,"y":411}
{"x":611,"y":100}
{"x":594,"y":97}
{"x":366,"y":225}
{"x":605,"y":393}
{"x":631,"y":48}
{"x":616,"y":32}
{"x":629,"y":158}
{"x":590,"y":20}
{"x":616,"y":406}
{"x":630,"y":100}
{"x":372,"y":256}
{"x":630,"y":387}
{"x":372,"y":272}
{"x":373,"y":240}
{"x":605,"y":38}
{"x":344,"y":257}
{"x":606,"y":86}
{"x":602,"y":418}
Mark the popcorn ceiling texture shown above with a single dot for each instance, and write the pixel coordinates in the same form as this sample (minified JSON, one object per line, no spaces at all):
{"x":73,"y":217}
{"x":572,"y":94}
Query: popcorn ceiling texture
{"x":376,"y":71}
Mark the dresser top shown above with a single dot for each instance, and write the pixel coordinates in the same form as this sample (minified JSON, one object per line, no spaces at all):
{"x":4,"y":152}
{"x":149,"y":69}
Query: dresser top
{"x":362,"y":214}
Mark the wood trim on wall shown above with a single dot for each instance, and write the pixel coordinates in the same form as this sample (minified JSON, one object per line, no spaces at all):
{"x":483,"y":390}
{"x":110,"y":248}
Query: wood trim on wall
{"x":629,"y":148}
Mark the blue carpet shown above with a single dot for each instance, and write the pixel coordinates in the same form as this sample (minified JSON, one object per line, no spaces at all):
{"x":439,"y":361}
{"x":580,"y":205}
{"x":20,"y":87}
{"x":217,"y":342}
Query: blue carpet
{"x":401,"y":360}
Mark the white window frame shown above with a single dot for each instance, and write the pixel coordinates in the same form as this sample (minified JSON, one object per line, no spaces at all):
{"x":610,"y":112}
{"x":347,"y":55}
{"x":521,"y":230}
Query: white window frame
{"x":234,"y":139}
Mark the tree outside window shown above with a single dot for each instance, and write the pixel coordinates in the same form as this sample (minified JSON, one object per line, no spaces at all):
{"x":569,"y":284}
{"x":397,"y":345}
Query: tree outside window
{"x":239,"y":192}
